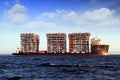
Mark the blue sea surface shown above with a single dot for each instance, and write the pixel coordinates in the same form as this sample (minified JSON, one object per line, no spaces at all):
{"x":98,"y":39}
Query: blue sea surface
{"x":59,"y":67}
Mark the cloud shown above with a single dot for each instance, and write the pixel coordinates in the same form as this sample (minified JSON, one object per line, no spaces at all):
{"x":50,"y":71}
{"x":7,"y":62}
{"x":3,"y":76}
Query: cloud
{"x":17,"y":1}
{"x":102,"y":18}
{"x":98,"y":19}
{"x":6,"y":3}
{"x":16,"y":15}
{"x":97,"y":15}
{"x":54,"y":15}
{"x":94,"y":15}
{"x":40,"y":25}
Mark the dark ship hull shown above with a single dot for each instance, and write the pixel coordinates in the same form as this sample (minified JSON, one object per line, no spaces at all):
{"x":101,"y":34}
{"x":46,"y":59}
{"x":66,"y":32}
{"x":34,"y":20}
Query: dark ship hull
{"x":61,"y":54}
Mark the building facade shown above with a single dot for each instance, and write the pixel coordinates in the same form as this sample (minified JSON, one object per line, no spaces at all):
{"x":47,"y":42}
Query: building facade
{"x":56,"y":42}
{"x":29,"y":42}
{"x":79,"y":42}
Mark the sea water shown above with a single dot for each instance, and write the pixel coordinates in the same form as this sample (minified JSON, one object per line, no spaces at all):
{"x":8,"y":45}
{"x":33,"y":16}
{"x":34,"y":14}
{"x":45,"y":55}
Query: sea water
{"x":59,"y":67}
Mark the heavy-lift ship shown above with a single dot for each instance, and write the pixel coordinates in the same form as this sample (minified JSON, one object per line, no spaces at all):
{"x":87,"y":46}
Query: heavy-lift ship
{"x":96,"y":48}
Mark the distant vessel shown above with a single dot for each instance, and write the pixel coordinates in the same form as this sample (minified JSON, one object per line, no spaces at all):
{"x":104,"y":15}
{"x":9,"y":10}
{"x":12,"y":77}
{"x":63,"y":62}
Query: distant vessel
{"x":78,"y":45}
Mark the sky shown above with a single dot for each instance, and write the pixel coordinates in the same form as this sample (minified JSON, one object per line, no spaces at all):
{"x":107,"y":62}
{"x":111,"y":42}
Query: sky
{"x":99,"y":17}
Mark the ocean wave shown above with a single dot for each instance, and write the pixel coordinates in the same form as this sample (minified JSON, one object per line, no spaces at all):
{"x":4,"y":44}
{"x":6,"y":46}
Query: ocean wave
{"x":59,"y":68}
{"x":14,"y":78}
{"x":59,"y":65}
{"x":105,"y":66}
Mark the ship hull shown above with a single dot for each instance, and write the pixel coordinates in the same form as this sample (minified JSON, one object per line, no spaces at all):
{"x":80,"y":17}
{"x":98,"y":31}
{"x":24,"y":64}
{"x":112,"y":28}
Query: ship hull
{"x":61,"y":54}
